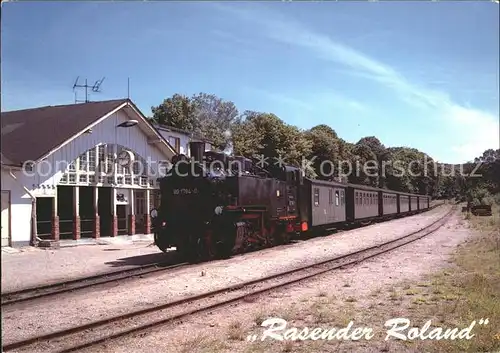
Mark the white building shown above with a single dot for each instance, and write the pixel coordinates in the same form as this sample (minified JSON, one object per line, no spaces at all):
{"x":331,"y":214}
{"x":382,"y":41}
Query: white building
{"x":179,"y":139}
{"x":81,"y":171}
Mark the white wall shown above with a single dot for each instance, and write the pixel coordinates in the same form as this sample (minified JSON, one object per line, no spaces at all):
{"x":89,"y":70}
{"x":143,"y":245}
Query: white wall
{"x":20,"y":209}
{"x":184,"y":141}
{"x":45,"y":177}
{"x":50,"y":171}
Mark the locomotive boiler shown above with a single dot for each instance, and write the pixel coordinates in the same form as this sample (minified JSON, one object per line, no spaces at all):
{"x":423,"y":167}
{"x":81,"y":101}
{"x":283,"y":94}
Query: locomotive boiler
{"x":214,"y":205}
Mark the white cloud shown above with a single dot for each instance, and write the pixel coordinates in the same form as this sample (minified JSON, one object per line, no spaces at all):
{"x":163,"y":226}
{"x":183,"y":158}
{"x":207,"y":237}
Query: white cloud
{"x":282,"y":98}
{"x":476,"y":130}
{"x":311,"y":101}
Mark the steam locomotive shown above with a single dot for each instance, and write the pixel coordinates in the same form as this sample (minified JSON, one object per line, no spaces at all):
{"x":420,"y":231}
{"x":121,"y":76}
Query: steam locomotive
{"x":214,"y":205}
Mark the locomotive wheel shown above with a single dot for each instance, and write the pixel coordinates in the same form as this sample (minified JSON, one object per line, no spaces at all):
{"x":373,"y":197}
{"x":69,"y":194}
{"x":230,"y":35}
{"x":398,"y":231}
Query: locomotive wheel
{"x":281,"y":237}
{"x":185,"y":249}
{"x":159,"y":243}
{"x":209,"y":250}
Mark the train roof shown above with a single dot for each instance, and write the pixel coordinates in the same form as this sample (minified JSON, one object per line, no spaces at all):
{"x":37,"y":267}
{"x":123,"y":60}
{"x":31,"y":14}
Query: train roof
{"x":359,"y":187}
{"x":326,"y":182}
{"x":363,"y":187}
{"x":372,"y":188}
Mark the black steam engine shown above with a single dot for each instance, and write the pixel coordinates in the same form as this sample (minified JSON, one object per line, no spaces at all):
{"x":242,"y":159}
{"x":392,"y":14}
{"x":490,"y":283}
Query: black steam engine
{"x":214,"y":205}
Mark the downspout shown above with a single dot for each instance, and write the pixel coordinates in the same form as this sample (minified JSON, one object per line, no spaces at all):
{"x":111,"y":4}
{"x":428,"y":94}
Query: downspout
{"x":34,"y":237}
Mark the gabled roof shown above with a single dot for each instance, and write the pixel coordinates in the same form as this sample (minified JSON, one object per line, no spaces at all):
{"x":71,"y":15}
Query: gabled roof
{"x":168,"y":128}
{"x":30,"y":134}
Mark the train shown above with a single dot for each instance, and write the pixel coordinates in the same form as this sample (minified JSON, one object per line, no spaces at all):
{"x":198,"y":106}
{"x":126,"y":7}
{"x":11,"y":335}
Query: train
{"x":213,"y":205}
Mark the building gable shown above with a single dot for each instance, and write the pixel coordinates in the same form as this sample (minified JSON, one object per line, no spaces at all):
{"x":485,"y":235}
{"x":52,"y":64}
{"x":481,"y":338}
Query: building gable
{"x":34,"y":134}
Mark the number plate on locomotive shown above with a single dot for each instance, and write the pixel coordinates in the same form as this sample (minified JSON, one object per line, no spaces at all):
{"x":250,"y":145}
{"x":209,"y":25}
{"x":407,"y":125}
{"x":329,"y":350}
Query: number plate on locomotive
{"x":185,"y":191}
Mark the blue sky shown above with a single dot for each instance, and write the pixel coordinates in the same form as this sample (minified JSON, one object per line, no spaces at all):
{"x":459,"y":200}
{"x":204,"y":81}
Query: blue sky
{"x":417,"y":74}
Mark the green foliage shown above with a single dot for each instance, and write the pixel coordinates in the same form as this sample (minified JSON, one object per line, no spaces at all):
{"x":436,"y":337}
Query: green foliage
{"x":265,"y":134}
{"x":366,"y":162}
{"x":204,"y":114}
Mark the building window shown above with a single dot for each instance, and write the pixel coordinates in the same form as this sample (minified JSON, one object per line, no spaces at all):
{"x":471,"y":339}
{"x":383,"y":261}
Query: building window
{"x":316,"y":197}
{"x":92,"y":160}
{"x":83,"y":178}
{"x":83,"y":162}
{"x":175,"y":142}
{"x":101,"y":153}
{"x":72,"y":178}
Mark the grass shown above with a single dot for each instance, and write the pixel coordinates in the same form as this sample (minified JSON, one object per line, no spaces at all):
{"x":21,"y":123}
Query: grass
{"x":472,"y":290}
{"x":236,"y":331}
{"x":202,"y":344}
{"x":469,"y":290}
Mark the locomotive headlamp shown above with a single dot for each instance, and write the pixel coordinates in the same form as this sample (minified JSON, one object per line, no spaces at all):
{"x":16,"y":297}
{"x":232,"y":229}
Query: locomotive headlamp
{"x":154,"y":213}
{"x":218,"y":210}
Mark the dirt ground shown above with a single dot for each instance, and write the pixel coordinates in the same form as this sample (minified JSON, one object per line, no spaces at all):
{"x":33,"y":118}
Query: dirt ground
{"x":35,"y":267}
{"x":395,"y":285}
{"x":117,"y":298}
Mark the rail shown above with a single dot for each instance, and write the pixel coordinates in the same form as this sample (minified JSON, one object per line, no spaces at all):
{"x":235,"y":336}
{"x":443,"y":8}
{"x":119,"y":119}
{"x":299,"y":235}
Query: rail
{"x":140,"y":320}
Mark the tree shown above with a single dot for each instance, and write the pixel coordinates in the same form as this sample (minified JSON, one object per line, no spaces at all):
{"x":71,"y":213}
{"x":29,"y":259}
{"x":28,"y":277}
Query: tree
{"x":203,"y":114}
{"x":264,"y":134}
{"x":381,"y":156}
{"x":177,"y":111}
{"x":215,"y":118}
{"x":364,"y":168}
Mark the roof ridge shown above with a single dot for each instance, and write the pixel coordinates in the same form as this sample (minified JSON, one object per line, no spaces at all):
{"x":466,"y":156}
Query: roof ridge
{"x":123,"y":100}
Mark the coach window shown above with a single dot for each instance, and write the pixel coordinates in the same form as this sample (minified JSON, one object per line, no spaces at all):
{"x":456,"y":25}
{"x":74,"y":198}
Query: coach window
{"x":316,"y":197}
{"x":330,"y":196}
{"x":337,"y":198}
{"x":342,"y":198}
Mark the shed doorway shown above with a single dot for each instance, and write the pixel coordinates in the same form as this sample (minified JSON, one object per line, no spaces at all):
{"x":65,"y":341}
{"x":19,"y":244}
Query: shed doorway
{"x":44,"y":217}
{"x":104,"y":209}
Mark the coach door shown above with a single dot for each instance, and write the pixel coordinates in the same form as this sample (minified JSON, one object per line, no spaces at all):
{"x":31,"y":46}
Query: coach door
{"x":5,"y":218}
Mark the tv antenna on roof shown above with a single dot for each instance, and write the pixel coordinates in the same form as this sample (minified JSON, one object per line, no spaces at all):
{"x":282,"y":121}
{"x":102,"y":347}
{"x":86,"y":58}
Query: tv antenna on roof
{"x":96,"y":87}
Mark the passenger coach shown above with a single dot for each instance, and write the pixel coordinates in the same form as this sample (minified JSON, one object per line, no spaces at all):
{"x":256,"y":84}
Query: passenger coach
{"x":330,"y":203}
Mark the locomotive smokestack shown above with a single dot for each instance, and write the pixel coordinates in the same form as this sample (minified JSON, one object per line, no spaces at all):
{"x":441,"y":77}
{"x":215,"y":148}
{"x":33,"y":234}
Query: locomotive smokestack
{"x":196,"y":150}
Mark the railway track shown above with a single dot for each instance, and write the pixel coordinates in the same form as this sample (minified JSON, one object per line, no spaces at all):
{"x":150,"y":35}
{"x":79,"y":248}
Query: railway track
{"x":35,"y":293}
{"x":45,"y":292}
{"x":94,"y":333}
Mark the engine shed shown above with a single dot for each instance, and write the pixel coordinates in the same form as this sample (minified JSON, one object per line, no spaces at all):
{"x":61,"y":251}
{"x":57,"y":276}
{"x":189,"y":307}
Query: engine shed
{"x":78,"y":171}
